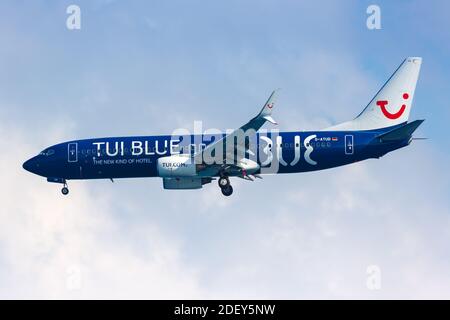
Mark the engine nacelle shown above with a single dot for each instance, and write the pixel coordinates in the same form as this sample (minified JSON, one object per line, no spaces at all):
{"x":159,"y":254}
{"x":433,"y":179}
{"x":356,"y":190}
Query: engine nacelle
{"x":176,"y":166}
{"x":185,"y":183}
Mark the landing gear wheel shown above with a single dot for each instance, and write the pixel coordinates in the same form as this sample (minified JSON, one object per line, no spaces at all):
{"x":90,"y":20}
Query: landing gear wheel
{"x":227,"y":191}
{"x":223,"y":182}
{"x":65,"y":191}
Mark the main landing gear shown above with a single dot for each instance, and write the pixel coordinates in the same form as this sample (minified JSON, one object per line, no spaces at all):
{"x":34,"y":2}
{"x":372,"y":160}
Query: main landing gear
{"x":225,"y":186}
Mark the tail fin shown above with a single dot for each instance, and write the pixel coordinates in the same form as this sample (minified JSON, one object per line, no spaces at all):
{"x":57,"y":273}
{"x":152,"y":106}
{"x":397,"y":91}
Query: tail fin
{"x":392,"y":104}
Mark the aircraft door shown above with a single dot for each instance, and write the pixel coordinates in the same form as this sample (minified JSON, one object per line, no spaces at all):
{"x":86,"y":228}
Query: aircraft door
{"x":72,"y":152}
{"x":349,"y":146}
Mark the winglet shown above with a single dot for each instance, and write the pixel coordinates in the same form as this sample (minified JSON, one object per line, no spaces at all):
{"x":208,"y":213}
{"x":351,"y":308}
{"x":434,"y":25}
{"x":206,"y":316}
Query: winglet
{"x":266,"y":111}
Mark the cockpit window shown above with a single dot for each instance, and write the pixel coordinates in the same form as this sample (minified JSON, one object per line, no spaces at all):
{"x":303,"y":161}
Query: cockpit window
{"x":47,"y":152}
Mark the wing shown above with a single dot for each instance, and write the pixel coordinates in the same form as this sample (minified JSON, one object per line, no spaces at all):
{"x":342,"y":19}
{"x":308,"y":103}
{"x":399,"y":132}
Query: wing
{"x":228,"y":153}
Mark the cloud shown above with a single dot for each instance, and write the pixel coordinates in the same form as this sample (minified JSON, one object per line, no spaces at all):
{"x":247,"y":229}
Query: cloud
{"x":47,"y":239}
{"x":316,"y":234}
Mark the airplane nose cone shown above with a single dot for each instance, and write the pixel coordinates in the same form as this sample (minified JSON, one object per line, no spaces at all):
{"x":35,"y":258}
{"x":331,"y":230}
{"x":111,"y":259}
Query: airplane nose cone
{"x":30,"y":165}
{"x":27,"y":165}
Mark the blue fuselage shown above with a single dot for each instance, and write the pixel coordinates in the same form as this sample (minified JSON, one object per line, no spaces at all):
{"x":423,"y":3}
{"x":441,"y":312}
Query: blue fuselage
{"x":131,"y":157}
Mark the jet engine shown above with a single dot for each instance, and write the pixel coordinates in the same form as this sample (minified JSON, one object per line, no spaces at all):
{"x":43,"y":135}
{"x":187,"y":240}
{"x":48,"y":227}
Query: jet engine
{"x":185,"y":183}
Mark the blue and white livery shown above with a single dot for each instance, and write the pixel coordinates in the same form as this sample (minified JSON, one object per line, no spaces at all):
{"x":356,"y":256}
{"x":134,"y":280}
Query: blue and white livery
{"x":189,"y":161}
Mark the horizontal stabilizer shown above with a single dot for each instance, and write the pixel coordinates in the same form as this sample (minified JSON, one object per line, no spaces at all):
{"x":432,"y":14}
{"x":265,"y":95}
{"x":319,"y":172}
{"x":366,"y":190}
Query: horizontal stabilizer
{"x":402,"y":133}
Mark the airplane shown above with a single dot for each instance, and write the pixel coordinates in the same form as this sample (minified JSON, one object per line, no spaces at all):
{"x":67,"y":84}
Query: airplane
{"x":192,"y":160}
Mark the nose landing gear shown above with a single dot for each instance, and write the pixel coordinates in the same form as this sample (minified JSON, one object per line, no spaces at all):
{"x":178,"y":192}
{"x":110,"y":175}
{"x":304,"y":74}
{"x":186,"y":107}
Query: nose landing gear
{"x":225,"y":186}
{"x":65,"y":190}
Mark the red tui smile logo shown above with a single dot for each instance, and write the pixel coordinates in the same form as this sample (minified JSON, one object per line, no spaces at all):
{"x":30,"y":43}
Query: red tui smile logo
{"x":387,"y":114}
